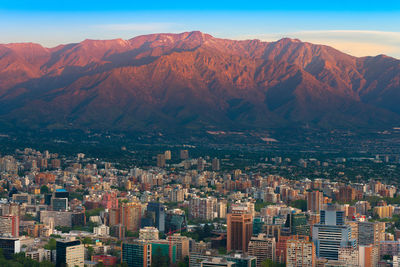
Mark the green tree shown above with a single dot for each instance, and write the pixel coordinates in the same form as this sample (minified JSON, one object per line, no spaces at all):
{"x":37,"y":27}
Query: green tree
{"x":90,"y":251}
{"x":270,"y":263}
{"x":299,"y":204}
{"x":44,"y":189}
{"x":51,"y":245}
{"x":87,"y":241}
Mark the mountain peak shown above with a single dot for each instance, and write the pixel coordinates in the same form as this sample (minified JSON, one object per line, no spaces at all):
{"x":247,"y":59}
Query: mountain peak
{"x":194,"y":80}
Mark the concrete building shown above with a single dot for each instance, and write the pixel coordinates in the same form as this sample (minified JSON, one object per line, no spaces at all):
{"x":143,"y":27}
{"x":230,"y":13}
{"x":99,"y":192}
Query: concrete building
{"x":39,"y":255}
{"x":262,"y":247}
{"x":70,"y":253}
{"x":101,"y":230}
{"x":203,"y":208}
{"x":315,"y":200}
{"x":148,"y":233}
{"x":239,"y":232}
{"x":137,"y":254}
{"x":9,"y":225}
{"x":368,"y":256}
{"x":130,"y":215}
{"x":182,"y":245}
{"x":161,"y":160}
{"x":349,"y":255}
{"x":10,"y":246}
{"x":371,"y":233}
{"x":332,"y":233}
{"x":300,"y":253}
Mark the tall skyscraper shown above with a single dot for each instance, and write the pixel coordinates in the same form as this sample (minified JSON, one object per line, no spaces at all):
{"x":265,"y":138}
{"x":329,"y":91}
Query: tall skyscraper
{"x":297,"y":223}
{"x":155,"y":216}
{"x":9,"y":225}
{"x":10,"y":246}
{"x":262,"y":247}
{"x":70,"y":253}
{"x":300,"y":253}
{"x":315,"y":200}
{"x":182,"y":245}
{"x":215,"y":164}
{"x":167,"y":155}
{"x":332,"y":233}
{"x":130,"y":215}
{"x":137,"y":254}
{"x":161,"y":160}
{"x":200,"y":164}
{"x":371,"y":233}
{"x":203,"y":208}
{"x":368,"y":256}
{"x":240,"y":230}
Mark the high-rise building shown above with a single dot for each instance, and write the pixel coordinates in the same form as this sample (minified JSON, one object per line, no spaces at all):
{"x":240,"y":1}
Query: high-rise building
{"x":349,"y":255}
{"x":215,"y":164}
{"x":182,"y":245}
{"x":297,"y":223}
{"x":155,"y":216}
{"x":354,"y":229}
{"x":332,"y":234}
{"x":371,"y":233}
{"x":332,"y":216}
{"x":130,"y":215}
{"x":347,"y":194}
{"x":161,"y":160}
{"x":163,"y":248}
{"x":167,"y":155}
{"x":70,"y":253}
{"x":221,"y":209}
{"x":203,"y":208}
{"x":239,"y":232}
{"x":175,"y":220}
{"x":9,"y":225}
{"x":368,"y":256}
{"x":10,"y":246}
{"x":384,"y":211}
{"x":200,"y":164}
{"x":114,"y":216}
{"x":362,"y":207}
{"x":315,"y":200}
{"x":262,"y":247}
{"x":137,"y":253}
{"x":300,"y":253}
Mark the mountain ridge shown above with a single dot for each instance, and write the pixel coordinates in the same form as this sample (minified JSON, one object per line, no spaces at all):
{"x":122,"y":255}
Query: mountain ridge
{"x":193,"y":80}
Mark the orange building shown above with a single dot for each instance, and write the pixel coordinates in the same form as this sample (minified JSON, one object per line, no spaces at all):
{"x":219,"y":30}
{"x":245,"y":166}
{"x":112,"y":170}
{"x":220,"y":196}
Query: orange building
{"x":315,"y":200}
{"x":44,"y":178}
{"x":130,"y":215}
{"x":240,"y":230}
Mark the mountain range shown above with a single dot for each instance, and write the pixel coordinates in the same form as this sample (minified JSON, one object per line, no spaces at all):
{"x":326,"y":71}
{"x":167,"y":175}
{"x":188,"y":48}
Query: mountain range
{"x":194,"y":81}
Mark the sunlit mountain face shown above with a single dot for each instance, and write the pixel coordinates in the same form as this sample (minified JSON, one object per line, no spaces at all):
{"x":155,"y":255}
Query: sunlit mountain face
{"x":195,"y":81}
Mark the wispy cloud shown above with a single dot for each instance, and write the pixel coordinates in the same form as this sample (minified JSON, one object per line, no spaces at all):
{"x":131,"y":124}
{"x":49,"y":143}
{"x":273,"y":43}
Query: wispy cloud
{"x":354,"y":42}
{"x":137,"y":27}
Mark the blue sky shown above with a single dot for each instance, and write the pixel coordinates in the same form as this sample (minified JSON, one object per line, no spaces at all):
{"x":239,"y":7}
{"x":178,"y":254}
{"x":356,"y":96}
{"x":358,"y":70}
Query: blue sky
{"x":356,"y":27}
